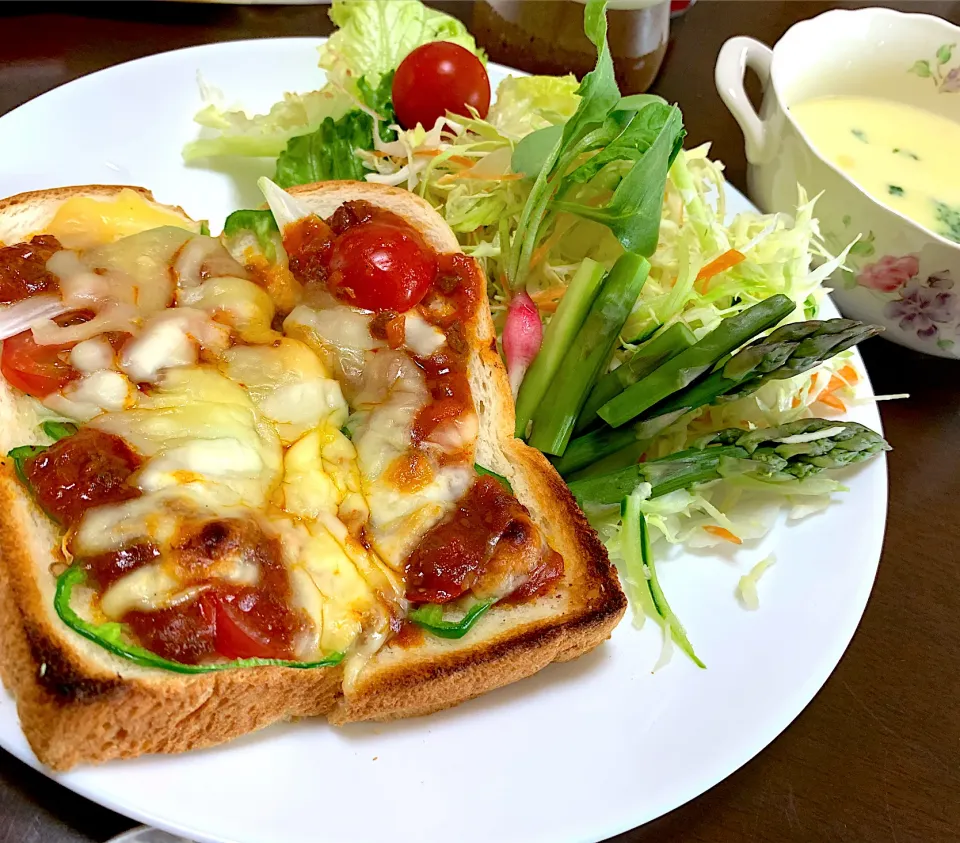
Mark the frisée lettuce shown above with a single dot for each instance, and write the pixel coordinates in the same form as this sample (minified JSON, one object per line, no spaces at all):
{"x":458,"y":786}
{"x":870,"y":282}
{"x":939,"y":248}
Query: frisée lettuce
{"x":374,"y":36}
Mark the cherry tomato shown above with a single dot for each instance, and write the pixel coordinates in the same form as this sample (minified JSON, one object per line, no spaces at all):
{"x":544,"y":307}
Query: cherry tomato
{"x":436,"y":78}
{"x":380,"y":265}
{"x":35,"y":369}
{"x":251,"y":626}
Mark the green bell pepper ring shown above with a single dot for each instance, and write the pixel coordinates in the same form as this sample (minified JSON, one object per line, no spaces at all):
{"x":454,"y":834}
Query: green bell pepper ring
{"x":430,"y":618}
{"x":110,"y":637}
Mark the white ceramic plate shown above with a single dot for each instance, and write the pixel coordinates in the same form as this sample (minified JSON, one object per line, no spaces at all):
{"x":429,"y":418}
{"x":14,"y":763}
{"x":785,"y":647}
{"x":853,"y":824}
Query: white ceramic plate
{"x":580,"y":752}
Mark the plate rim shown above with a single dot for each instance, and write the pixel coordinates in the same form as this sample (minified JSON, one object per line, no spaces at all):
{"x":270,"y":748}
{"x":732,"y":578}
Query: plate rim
{"x":695,"y":785}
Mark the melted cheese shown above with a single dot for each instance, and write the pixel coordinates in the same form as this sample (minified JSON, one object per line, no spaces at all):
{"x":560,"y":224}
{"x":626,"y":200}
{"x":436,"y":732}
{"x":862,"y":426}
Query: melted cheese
{"x":200,"y":461}
{"x":149,"y":587}
{"x":289,"y":385}
{"x":199,"y":428}
{"x":88,"y":397}
{"x":422,"y":338}
{"x":85,"y":221}
{"x":236,"y":302}
{"x":400,"y":519}
{"x":237,"y":420}
{"x":328,"y":586}
{"x":321,"y":476}
{"x":165,"y":343}
{"x":154,"y":587}
{"x":156,"y":516}
{"x":400,"y":516}
{"x":91,"y":355}
{"x":337,"y":328}
{"x":387,"y":390}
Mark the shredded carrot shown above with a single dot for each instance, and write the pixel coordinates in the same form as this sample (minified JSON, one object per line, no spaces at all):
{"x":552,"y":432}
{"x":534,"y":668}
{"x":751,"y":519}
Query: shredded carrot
{"x":832,"y":401}
{"x":544,"y":248}
{"x":828,"y":397}
{"x":462,"y":160}
{"x":721,"y":264}
{"x":835,"y":384}
{"x":549,"y":299}
{"x":723,"y":533}
{"x":796,"y":402}
{"x":427,"y":153}
{"x":849,"y":374}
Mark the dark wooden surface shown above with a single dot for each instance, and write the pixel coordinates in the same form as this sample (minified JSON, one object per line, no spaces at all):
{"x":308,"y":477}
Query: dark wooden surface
{"x":876,"y":756}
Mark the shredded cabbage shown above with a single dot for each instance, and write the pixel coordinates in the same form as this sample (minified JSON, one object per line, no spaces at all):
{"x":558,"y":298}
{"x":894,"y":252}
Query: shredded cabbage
{"x":747,"y":587}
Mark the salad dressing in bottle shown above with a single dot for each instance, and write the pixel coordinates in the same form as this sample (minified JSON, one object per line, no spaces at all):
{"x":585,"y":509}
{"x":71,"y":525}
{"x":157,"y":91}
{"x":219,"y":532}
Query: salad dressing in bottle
{"x":546,"y":36}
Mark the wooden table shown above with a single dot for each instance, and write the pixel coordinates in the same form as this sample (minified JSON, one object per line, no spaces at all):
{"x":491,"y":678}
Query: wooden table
{"x":876,"y":756}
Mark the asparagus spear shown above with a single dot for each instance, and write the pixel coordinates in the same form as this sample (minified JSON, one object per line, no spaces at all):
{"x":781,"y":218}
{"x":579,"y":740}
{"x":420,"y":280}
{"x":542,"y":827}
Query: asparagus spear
{"x":795,"y":450}
{"x":789,"y":350}
{"x":665,"y":475}
{"x":554,"y":418}
{"x":557,"y":338}
{"x":805,"y":447}
{"x":689,"y":365}
{"x":649,"y":356}
{"x":587,"y":449}
{"x":630,"y":455}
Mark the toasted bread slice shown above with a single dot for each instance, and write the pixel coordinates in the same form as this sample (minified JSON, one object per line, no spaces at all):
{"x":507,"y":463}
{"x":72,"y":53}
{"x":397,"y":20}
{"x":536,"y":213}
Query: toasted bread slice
{"x":509,"y":642}
{"x":79,"y":704}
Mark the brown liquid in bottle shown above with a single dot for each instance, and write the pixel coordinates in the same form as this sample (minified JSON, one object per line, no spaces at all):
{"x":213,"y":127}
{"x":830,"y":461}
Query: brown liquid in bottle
{"x":546,"y":36}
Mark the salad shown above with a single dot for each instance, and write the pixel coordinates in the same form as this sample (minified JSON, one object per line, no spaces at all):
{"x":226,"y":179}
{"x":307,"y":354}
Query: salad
{"x":668,"y":361}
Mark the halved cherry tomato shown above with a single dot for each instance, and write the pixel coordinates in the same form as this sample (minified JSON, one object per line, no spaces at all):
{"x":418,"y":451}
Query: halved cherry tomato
{"x":35,"y":369}
{"x":381,"y":265}
{"x":252,"y":626}
{"x":436,"y":78}
{"x":183,"y":633}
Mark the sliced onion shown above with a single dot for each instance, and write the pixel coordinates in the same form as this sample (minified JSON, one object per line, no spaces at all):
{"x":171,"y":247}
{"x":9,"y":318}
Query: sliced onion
{"x":497,"y":163}
{"x":79,"y":287}
{"x":17,"y":318}
{"x":113,"y":317}
{"x":202,"y":258}
{"x":285,"y":208}
{"x":393,"y":179}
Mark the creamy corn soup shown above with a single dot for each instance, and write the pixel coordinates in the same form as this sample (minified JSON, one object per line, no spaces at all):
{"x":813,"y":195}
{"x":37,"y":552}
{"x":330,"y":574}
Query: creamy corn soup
{"x":907,"y":158}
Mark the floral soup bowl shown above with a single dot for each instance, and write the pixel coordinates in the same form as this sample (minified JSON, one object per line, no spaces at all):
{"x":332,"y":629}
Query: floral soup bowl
{"x":898,"y":274}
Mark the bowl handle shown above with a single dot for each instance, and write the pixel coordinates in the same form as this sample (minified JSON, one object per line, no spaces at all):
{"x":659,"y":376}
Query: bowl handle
{"x":735,"y":57}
